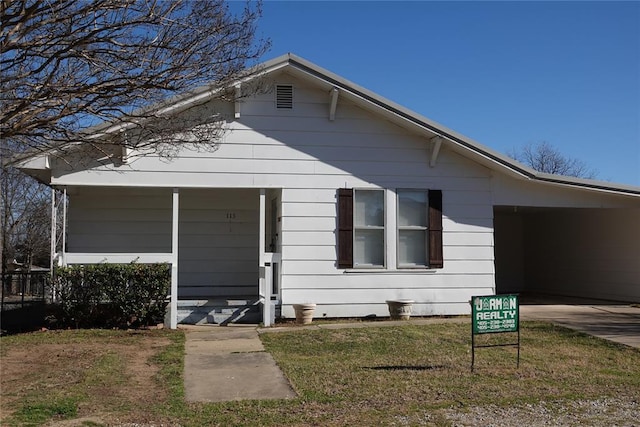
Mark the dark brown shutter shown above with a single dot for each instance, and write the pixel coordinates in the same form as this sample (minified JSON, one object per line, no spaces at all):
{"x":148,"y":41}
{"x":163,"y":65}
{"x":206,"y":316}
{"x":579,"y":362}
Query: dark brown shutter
{"x":435,"y":229}
{"x":345,"y":228}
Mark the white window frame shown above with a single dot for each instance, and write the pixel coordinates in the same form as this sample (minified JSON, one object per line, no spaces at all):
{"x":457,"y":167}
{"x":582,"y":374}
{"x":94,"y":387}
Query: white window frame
{"x":383,"y":228}
{"x":424,"y":228}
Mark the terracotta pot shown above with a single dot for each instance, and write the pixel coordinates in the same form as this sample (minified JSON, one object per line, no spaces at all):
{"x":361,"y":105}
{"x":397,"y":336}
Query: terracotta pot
{"x":400,"y":309}
{"x":304,"y":312}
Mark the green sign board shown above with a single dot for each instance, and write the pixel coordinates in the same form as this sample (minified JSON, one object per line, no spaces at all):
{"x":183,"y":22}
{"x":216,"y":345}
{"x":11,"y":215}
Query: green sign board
{"x":495,"y":313}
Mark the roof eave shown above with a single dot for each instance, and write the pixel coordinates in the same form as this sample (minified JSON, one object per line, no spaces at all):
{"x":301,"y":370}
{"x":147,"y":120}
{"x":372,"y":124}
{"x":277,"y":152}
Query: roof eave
{"x":503,"y":162}
{"x":590,"y":184}
{"x":493,"y":158}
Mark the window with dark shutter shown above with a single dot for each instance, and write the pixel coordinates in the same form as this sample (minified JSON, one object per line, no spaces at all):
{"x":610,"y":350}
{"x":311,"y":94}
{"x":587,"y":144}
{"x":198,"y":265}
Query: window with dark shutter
{"x":369,"y":228}
{"x":345,"y":232}
{"x":412,"y":222}
{"x":345,"y":228}
{"x":435,"y":229}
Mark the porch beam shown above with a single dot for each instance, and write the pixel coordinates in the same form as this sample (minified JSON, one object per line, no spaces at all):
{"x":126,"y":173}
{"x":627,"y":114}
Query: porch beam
{"x":173,"y":309}
{"x":117,"y":258}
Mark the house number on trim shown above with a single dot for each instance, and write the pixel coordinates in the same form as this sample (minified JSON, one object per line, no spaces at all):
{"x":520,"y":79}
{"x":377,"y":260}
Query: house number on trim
{"x":231,"y":215}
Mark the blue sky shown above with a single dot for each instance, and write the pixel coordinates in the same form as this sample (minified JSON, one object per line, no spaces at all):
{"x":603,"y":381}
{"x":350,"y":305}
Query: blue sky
{"x":501,"y":73}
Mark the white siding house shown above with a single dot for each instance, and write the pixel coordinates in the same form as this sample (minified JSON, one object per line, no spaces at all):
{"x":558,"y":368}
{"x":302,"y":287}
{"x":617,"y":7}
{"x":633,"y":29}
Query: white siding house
{"x":322,"y":192}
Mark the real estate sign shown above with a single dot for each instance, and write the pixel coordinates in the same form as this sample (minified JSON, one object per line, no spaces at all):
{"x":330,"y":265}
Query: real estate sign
{"x":495,"y":313}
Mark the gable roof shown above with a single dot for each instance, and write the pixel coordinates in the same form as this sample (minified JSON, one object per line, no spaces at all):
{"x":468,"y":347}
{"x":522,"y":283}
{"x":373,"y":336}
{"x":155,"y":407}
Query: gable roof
{"x":460,"y":143}
{"x":306,"y":70}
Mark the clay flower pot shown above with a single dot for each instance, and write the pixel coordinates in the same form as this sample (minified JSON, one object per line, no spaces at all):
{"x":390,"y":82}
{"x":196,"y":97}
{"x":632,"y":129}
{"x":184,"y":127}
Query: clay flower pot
{"x":304,"y":313}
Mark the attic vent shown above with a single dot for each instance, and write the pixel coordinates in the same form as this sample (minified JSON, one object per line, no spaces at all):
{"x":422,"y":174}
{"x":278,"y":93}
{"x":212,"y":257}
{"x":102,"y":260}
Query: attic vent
{"x":284,"y":97}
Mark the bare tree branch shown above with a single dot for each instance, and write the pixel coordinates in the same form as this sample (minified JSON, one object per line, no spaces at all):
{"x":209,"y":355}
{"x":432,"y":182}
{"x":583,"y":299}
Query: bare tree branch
{"x":68,"y":64}
{"x":543,"y":157}
{"x":24,"y":220}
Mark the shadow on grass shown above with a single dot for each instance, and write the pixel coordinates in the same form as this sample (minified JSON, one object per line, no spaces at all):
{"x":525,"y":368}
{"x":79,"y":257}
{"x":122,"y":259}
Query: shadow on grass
{"x":405,"y":368}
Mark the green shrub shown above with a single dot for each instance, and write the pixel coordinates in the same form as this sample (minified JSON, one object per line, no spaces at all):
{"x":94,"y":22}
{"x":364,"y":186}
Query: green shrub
{"x":111,"y":295}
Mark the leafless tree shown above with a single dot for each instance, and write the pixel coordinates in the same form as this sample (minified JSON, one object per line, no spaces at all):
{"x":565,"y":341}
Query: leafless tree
{"x":25,"y":219}
{"x":544,"y":157}
{"x":71,"y":64}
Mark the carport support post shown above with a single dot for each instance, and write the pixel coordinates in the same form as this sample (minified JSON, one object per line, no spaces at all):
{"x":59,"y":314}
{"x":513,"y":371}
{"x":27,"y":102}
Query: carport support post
{"x":173,"y":309}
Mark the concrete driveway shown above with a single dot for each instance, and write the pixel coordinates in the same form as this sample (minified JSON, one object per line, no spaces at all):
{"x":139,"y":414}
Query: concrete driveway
{"x":615,"y":322}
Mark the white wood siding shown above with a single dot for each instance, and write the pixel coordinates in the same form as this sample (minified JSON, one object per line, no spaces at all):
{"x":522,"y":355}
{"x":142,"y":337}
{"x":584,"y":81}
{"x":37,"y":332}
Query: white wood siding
{"x":309,"y":158}
{"x":108,"y":220}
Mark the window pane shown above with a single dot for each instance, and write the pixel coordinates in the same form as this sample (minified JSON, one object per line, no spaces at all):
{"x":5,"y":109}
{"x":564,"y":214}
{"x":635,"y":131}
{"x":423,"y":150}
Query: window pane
{"x":411,"y":247}
{"x":369,"y":208}
{"x":412,"y":208}
{"x":368,"y":247}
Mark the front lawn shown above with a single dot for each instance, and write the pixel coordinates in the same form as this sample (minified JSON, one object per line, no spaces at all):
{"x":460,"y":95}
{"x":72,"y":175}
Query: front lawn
{"x":400,"y":375}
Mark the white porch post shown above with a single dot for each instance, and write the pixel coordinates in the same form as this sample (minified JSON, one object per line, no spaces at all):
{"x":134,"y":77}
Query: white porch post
{"x":264,"y":290}
{"x":262,"y":227}
{"x":173,"y":308}
{"x":53,"y":228}
{"x":54,"y":232}
{"x":63,"y":250}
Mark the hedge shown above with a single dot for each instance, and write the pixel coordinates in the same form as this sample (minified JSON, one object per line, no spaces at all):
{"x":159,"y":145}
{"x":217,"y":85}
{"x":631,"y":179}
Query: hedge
{"x":111,"y":295}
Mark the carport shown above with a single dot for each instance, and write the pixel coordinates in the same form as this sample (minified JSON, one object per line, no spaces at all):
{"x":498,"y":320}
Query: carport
{"x":565,"y":236}
{"x":582,"y":252}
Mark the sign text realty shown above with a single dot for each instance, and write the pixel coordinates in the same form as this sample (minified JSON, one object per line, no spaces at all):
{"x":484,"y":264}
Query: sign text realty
{"x":497,"y":313}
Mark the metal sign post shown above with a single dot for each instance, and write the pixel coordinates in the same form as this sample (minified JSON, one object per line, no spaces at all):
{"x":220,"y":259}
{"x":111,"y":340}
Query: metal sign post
{"x":494,"y":314}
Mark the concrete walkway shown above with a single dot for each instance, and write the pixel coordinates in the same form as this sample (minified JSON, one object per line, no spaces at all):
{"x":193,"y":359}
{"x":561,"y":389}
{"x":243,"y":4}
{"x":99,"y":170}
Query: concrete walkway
{"x":224,"y":363}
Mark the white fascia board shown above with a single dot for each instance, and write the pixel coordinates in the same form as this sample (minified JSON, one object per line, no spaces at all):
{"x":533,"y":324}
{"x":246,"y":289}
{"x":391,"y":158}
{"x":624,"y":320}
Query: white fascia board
{"x":587,"y":184}
{"x":197,"y":96}
{"x":206,"y":93}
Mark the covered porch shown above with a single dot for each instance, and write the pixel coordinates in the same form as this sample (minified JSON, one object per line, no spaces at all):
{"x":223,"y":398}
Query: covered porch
{"x":222,"y":244}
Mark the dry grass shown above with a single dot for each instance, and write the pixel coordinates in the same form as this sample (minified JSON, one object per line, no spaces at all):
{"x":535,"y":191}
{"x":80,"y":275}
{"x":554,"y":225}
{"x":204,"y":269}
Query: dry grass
{"x":56,"y":375}
{"x":404,"y":375}
{"x":382,"y":375}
